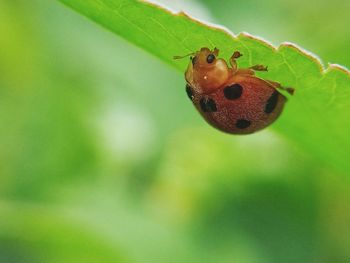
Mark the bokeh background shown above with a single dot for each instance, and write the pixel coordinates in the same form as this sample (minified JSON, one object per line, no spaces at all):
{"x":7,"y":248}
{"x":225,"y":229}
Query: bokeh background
{"x":103,"y":158}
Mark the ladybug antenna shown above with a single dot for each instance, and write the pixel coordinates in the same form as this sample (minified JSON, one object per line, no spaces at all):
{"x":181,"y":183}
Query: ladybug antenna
{"x":181,"y":57}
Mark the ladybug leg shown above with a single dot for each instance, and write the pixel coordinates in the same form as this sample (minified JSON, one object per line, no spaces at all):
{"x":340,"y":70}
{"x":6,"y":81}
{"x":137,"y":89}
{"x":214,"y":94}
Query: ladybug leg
{"x":277,"y":85}
{"x":235,"y":70}
{"x":250,"y":70}
{"x":245,"y":71}
{"x":258,"y":68}
{"x":233,"y":62}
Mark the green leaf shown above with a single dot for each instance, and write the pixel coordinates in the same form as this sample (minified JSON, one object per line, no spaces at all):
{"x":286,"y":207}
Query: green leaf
{"x":316,"y":117}
{"x":33,"y":233}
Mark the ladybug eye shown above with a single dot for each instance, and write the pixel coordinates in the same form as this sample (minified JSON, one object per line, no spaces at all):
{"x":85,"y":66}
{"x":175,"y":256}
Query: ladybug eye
{"x":194,"y":60}
{"x":210,"y":58}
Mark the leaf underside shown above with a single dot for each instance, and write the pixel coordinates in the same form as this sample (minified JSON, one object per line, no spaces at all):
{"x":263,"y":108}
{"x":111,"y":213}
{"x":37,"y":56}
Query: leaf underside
{"x":316,"y":117}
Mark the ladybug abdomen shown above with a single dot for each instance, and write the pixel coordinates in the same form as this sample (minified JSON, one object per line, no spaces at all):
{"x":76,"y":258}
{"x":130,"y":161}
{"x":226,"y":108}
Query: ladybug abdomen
{"x":244,"y":105}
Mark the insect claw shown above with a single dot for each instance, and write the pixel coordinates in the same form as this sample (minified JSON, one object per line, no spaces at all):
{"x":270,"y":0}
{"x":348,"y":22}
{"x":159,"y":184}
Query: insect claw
{"x":290,"y":90}
{"x":237,"y":54}
{"x":259,"y":68}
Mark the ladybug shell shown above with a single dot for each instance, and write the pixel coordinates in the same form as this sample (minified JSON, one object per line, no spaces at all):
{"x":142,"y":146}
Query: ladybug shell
{"x":245,"y":104}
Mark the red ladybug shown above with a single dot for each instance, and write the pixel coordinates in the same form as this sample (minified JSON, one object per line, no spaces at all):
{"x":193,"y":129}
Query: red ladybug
{"x":232,"y":100}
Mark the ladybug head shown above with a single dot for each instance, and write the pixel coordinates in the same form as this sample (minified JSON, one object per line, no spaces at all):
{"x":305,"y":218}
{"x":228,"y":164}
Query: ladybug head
{"x":205,"y":72}
{"x":204,"y":58}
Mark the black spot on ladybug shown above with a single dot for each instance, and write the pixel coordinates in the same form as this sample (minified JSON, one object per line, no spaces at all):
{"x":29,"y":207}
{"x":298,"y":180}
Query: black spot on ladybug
{"x":189,"y":91}
{"x":272,"y":102}
{"x":208,"y":105}
{"x":242,"y":123}
{"x":233,"y":92}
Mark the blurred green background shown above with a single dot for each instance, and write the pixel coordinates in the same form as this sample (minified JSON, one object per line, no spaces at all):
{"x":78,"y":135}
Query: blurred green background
{"x":103,"y":158}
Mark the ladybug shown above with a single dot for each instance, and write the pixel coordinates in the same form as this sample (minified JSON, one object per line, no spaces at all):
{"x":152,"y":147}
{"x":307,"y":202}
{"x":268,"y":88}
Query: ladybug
{"x":232,"y":99}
